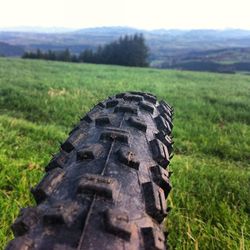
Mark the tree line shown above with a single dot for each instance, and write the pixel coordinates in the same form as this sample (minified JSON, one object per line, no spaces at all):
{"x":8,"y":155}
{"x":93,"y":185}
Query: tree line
{"x":127,"y":51}
{"x":64,"y":55}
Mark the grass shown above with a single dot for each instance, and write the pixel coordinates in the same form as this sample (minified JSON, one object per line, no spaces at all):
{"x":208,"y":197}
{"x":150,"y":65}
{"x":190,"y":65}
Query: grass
{"x":40,"y":101}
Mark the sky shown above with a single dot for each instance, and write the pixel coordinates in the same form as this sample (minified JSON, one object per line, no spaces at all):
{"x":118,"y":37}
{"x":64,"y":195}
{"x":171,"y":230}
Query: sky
{"x":145,"y":14}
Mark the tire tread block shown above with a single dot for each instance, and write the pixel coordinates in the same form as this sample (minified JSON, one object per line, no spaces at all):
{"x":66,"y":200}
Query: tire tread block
{"x":87,"y":118}
{"x":126,"y":108}
{"x":133,"y":97}
{"x":162,"y":125}
{"x":120,"y":95}
{"x":163,"y":108}
{"x":63,"y":212}
{"x":21,"y":243}
{"x":48,"y":184}
{"x":112,"y":134}
{"x":159,"y":152}
{"x":112,"y":103}
{"x":161,"y":177}
{"x":153,"y":238}
{"x":90,"y":152}
{"x":28,"y":218}
{"x":74,"y":140}
{"x":155,"y":201}
{"x":126,"y":156}
{"x":150,"y":98}
{"x":147,"y":106}
{"x":58,"y":161}
{"x":117,"y":222}
{"x":97,"y":184}
{"x":147,"y":96}
{"x":102,"y":120}
{"x":168,"y":119}
{"x":137,"y":123}
{"x":166,"y":105}
{"x":166,"y":140}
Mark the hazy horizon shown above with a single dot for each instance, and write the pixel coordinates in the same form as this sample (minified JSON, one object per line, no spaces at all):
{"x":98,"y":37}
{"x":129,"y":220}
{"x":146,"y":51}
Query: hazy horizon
{"x":53,"y":29}
{"x":146,"y":15}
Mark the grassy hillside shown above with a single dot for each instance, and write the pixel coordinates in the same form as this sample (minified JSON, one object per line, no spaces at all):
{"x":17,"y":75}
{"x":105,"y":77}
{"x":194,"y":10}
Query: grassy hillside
{"x":40,"y":101}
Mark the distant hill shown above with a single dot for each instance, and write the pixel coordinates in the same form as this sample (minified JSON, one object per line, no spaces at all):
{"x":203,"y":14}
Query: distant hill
{"x":36,"y":29}
{"x":108,"y":31}
{"x":10,"y":50}
{"x":164,"y":44}
{"x":227,"y":60}
{"x":166,"y":38}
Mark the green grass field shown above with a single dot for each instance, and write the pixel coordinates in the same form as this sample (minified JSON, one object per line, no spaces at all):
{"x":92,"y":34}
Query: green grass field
{"x":40,"y":101}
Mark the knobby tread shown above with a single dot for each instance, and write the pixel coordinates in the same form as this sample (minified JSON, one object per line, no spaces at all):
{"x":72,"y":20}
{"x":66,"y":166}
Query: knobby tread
{"x":107,"y":186}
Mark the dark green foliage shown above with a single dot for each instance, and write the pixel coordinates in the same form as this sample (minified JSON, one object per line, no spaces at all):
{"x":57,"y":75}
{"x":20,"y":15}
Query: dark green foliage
{"x":87,"y":55}
{"x":127,"y":51}
{"x":64,"y":55}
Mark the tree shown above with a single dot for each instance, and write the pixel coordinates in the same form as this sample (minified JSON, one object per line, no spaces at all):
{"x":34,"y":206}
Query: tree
{"x":128,"y":51}
{"x":63,"y":55}
{"x":86,"y":56}
{"x":39,"y":54}
{"x":51,"y":55}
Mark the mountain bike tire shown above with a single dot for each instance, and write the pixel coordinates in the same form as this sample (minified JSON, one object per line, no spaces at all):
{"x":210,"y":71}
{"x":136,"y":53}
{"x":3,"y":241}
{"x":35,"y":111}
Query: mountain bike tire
{"x":107,"y":187}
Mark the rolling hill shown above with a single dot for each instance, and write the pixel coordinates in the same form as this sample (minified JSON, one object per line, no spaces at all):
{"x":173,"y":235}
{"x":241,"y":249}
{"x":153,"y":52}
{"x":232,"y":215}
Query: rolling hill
{"x":10,"y":50}
{"x":165,"y":45}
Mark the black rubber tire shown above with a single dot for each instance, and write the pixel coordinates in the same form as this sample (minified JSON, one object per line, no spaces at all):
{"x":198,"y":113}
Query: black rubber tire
{"x":106,"y":188}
